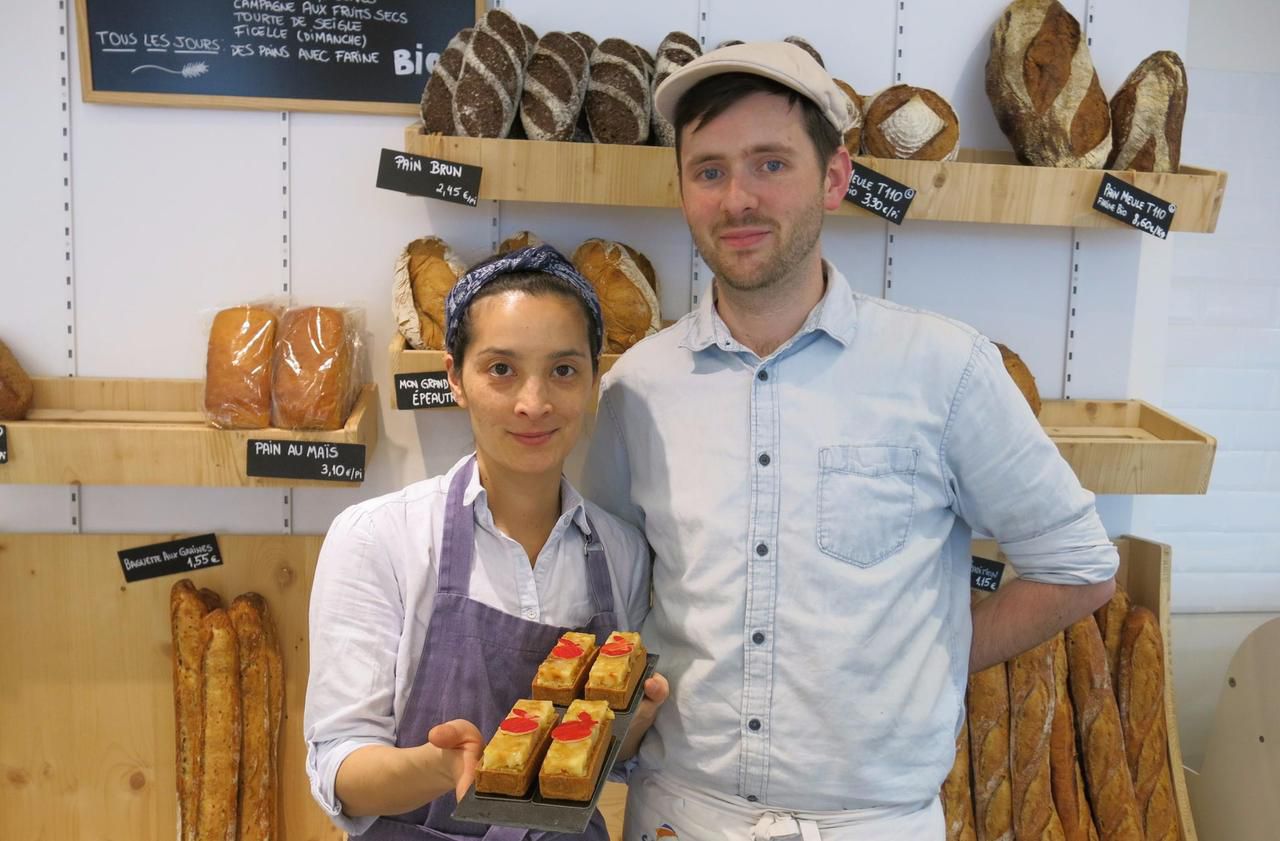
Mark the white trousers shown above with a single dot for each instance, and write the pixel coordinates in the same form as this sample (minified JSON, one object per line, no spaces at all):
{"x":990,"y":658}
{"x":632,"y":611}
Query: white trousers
{"x":660,"y":809}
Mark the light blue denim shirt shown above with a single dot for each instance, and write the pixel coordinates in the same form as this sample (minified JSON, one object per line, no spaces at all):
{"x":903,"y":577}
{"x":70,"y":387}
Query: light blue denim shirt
{"x":810,"y":519}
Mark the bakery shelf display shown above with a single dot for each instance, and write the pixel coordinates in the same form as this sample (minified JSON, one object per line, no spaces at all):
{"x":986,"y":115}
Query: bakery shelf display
{"x":152,"y":432}
{"x":979,"y":186}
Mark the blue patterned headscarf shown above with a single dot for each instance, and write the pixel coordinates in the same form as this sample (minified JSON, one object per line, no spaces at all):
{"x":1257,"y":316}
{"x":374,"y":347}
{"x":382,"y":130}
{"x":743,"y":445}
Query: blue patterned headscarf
{"x":538,"y":258}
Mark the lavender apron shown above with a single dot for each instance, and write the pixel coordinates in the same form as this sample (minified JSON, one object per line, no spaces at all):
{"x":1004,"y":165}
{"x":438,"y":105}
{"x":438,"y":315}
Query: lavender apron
{"x":475,"y":662}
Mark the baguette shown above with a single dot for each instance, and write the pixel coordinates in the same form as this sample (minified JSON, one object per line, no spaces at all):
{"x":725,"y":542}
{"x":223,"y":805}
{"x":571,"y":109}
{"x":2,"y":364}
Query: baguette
{"x":617,"y":670}
{"x":1146,"y":741}
{"x":1110,"y":619}
{"x":561,"y":676}
{"x":1032,"y":698}
{"x":275,"y":707}
{"x":259,"y":718}
{"x":186,"y":610}
{"x":1064,"y":767}
{"x":1106,"y":775}
{"x":957,"y":794}
{"x":514,"y":752}
{"x":577,"y":751}
{"x":989,"y":743}
{"x":220,"y":768}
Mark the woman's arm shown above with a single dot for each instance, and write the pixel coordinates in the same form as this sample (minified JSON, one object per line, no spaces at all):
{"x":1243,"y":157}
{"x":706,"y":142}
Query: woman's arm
{"x":385,"y":780}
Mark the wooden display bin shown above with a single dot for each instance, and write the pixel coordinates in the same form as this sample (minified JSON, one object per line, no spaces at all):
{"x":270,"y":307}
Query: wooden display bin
{"x":981,"y":186}
{"x":150,"y":432}
{"x":1145,"y":573}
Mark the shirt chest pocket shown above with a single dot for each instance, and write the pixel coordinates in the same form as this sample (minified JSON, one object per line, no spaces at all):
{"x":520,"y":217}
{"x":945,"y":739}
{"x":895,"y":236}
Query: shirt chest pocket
{"x":866,"y":499}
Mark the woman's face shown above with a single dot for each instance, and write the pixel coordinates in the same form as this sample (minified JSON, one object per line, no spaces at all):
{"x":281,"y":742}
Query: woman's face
{"x":526,"y":380}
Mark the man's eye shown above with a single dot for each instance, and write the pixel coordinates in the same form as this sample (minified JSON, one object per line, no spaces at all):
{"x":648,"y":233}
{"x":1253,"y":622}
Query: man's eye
{"x":774,"y":166}
{"x":708,"y":174}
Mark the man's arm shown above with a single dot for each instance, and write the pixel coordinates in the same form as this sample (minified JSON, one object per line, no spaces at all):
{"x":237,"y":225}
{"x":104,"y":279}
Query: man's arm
{"x":606,"y":479}
{"x":1022,"y":614}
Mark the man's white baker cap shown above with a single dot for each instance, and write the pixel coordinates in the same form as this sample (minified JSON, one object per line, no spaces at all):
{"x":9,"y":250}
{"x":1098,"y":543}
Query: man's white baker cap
{"x":784,"y":63}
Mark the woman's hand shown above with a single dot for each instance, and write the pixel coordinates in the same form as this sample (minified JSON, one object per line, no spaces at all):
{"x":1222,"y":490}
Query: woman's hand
{"x":656,"y":690}
{"x":461,"y":746}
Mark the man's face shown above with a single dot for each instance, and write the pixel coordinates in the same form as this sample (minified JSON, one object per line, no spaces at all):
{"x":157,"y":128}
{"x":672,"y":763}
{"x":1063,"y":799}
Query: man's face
{"x":754,"y":191}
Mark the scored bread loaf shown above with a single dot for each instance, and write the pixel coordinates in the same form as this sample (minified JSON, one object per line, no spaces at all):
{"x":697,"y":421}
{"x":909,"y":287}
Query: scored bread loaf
{"x":910,"y":123}
{"x":437,"y":95}
{"x":555,"y":85}
{"x":957,"y":793}
{"x":627,"y":297}
{"x":530,"y":41}
{"x":1069,"y":798}
{"x":1140,"y":692}
{"x":237,"y":378}
{"x":426,"y":270}
{"x":187,"y":609}
{"x":518,"y":240}
{"x":1021,"y":375}
{"x":16,"y":389}
{"x":1032,"y":701}
{"x":807,"y":47}
{"x":581,"y":130}
{"x":853,"y":135}
{"x":488,"y":90}
{"x":1106,"y":774}
{"x":219,"y":766}
{"x":1110,"y":618}
{"x":675,"y":51}
{"x":618,"y":97}
{"x":1147,"y":114}
{"x":1043,"y":87}
{"x":259,"y":717}
{"x":989,"y":751}
{"x":311,"y":370}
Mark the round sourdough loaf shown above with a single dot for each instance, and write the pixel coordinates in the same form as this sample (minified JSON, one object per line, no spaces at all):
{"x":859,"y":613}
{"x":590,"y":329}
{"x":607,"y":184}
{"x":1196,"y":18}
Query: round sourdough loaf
{"x":618,"y":97}
{"x":912,"y":124}
{"x":425,"y":272}
{"x":852,"y":137}
{"x":627,"y":297}
{"x":1021,"y":375}
{"x":1146,"y":116}
{"x":16,"y":388}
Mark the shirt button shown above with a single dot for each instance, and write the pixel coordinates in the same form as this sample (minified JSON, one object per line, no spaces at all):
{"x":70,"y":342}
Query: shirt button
{"x":530,"y":613}
{"x":764,"y":459}
{"x":762,"y":375}
{"x":757,"y":637}
{"x":752,"y":798}
{"x":754,"y":724}
{"x":761,"y":549}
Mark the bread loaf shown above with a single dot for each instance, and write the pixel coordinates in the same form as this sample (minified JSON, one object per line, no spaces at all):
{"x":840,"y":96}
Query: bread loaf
{"x":618,"y":98}
{"x":426,"y":270}
{"x":530,"y":41}
{"x":312,"y":370}
{"x":989,"y":744}
{"x":16,"y":388}
{"x":1069,"y":798}
{"x":1106,"y":774}
{"x":581,"y":129}
{"x":1110,"y":618}
{"x":1032,"y":701}
{"x":1043,"y":88}
{"x":1021,"y":375}
{"x":237,"y":379}
{"x":957,"y":793}
{"x":219,"y":768}
{"x":259,"y":718}
{"x":675,"y":51}
{"x":186,"y":611}
{"x":518,"y":240}
{"x":555,"y":85}
{"x":627,"y":299}
{"x":853,"y":136}
{"x":585,"y":41}
{"x":437,"y":95}
{"x":1146,"y":116}
{"x":488,"y":89}
{"x":911,"y":124}
{"x":731,"y":42}
{"x":807,"y":47}
{"x":1146,"y":741}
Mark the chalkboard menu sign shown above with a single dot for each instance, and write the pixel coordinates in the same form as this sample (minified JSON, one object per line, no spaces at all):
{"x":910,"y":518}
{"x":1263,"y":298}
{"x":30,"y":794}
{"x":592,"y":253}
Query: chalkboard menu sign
{"x":371,"y":56}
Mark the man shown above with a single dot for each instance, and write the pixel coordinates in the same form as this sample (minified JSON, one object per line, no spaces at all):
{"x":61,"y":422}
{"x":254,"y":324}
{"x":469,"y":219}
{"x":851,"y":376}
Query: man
{"x":807,"y":464}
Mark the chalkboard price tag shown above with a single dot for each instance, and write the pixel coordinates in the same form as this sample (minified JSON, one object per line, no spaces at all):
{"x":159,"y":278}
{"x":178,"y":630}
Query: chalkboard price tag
{"x":4,"y":445}
{"x":406,"y":172}
{"x":879,"y":194}
{"x":985,"y":574}
{"x":170,"y":558}
{"x":427,"y":390}
{"x":312,"y":460}
{"x":1137,"y":207}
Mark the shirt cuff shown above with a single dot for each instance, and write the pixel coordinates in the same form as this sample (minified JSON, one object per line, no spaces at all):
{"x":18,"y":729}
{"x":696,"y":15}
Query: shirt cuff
{"x":324,"y":774}
{"x":1077,"y":552}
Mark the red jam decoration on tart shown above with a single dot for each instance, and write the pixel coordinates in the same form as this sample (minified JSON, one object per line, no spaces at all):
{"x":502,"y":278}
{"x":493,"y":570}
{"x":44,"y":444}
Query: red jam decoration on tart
{"x":566,"y":649}
{"x":617,"y":646}
{"x":575,"y":731}
{"x":519,"y":723}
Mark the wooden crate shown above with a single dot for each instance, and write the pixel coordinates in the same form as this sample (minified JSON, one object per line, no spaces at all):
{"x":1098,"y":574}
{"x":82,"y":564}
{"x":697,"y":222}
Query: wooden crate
{"x":982,"y":186}
{"x":1129,"y":446}
{"x":149,"y":432}
{"x":1145,"y":573}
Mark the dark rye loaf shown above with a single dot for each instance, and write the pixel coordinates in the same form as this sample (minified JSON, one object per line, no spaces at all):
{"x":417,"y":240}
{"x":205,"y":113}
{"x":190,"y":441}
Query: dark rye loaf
{"x":555,"y":84}
{"x":807,"y":47}
{"x":488,"y":91}
{"x":618,"y":97}
{"x":582,"y":131}
{"x":437,"y":96}
{"x":1147,"y":113}
{"x":675,"y":51}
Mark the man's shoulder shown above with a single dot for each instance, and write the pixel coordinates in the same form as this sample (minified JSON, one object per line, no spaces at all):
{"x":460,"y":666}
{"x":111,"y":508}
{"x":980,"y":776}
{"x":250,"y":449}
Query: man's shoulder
{"x":654,"y":354}
{"x":890,"y":315}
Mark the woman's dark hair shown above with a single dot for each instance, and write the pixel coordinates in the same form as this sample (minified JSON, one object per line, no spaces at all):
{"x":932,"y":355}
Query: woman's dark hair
{"x":530,"y":283}
{"x":713,"y":96}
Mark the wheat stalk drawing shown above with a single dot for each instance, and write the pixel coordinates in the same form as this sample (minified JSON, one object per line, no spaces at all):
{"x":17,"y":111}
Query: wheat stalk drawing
{"x":190,"y":70}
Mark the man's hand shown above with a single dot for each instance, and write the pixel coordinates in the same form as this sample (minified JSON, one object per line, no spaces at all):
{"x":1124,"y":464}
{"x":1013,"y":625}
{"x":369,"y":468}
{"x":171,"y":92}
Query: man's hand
{"x":461,"y":746}
{"x":656,"y":690}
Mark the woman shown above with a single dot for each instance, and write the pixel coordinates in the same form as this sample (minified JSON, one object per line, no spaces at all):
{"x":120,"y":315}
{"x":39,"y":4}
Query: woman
{"x":432,"y":607}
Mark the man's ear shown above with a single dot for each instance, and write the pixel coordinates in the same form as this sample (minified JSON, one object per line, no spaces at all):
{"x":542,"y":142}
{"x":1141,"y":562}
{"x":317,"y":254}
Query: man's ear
{"x":839,"y":171}
{"x":454,"y":373}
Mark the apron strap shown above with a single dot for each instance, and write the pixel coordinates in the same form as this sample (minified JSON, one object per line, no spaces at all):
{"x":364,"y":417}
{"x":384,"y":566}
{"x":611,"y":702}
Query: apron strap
{"x":506,"y":833}
{"x":457,"y":547}
{"x":598,"y":570}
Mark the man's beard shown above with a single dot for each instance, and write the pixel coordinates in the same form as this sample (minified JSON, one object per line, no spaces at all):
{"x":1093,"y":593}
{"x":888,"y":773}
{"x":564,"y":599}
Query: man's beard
{"x":787,"y":255}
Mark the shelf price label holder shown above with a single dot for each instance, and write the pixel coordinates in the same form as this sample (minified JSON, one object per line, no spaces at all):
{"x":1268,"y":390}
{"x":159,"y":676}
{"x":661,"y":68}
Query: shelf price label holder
{"x":879,"y":194}
{"x":434,"y":178}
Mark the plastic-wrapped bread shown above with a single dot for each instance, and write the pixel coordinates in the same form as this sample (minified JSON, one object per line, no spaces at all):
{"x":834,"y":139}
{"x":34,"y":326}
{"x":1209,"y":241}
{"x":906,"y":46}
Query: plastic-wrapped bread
{"x":988,"y":709}
{"x":261,"y":711}
{"x":437,"y":95}
{"x":957,"y":793}
{"x":910,"y":123}
{"x":1106,"y":774}
{"x":1110,"y":618}
{"x":1140,"y":691}
{"x":1043,"y":88}
{"x":1069,"y":798}
{"x":1032,"y":700}
{"x":675,"y":51}
{"x":426,"y":270}
{"x":627,"y":297}
{"x":618,"y":97}
{"x":312,"y":370}
{"x":1147,"y":114}
{"x":237,"y":385}
{"x":488,"y":90}
{"x":219,"y":768}
{"x":555,"y":86}
{"x":187,"y":609}
{"x":853,"y":135}
{"x":16,"y":388}
{"x":1021,"y":375}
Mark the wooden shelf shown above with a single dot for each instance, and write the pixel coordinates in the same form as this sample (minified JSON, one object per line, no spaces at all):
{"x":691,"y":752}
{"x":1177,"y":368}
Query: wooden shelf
{"x":1145,"y":573}
{"x":982,"y":186}
{"x":149,"y":432}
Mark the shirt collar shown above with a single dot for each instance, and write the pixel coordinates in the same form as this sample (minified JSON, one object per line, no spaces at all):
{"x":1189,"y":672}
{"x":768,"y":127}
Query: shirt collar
{"x":835,"y":314}
{"x":572,"y":505}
